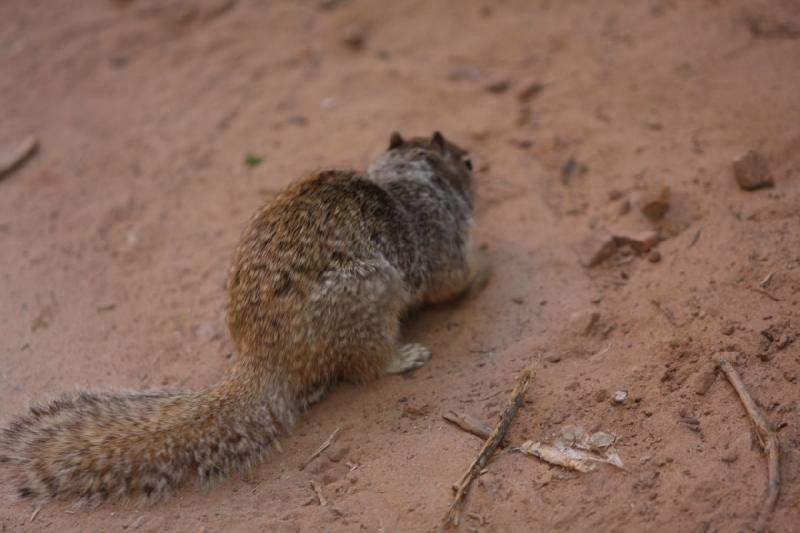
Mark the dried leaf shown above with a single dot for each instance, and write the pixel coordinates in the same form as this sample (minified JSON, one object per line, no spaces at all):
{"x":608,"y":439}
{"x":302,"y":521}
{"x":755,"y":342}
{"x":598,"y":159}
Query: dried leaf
{"x":568,"y":457}
{"x":555,"y":456}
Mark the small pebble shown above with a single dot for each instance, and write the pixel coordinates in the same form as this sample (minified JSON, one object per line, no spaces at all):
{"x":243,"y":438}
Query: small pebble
{"x":620,"y":396}
{"x":654,"y":203}
{"x":654,"y":256}
{"x":752,"y":171}
{"x":595,"y":248}
{"x":703,"y":381}
{"x":640,"y":241}
{"x":354,"y":39}
{"x":582,"y":322}
{"x":337,"y":453}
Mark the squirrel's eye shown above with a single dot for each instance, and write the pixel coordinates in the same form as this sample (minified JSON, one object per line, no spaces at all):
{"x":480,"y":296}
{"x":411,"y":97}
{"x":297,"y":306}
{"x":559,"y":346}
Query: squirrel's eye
{"x":467,"y":162}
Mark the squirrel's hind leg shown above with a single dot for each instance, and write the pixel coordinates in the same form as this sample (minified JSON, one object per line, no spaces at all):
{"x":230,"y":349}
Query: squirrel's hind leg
{"x":467,"y":282}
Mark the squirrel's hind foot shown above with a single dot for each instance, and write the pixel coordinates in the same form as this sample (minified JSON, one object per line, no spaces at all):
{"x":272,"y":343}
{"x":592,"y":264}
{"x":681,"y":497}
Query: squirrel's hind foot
{"x":407,"y":357}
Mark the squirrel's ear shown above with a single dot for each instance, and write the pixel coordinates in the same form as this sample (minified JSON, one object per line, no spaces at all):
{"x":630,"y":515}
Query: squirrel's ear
{"x":438,"y":143}
{"x":395,"y":140}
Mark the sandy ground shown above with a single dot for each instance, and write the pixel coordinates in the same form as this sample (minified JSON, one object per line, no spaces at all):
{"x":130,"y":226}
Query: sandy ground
{"x":115,"y":239}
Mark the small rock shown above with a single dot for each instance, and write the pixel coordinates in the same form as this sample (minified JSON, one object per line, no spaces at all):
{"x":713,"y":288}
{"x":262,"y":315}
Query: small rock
{"x":640,"y":241}
{"x":337,"y":453}
{"x":654,"y":256}
{"x":581,"y":322}
{"x":595,"y":248}
{"x":354,"y":39}
{"x":499,"y":86}
{"x":703,"y":382}
{"x":727,"y":329}
{"x":614,"y":194}
{"x":620,"y":396}
{"x":752,"y":171}
{"x":654,"y":204}
{"x":554,"y":358}
{"x":519,"y":300}
{"x":624,"y":208}
{"x":13,"y":156}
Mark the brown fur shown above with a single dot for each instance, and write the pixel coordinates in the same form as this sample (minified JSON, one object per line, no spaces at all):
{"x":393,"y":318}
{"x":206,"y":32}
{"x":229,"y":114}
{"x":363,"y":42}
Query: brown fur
{"x":319,"y":283}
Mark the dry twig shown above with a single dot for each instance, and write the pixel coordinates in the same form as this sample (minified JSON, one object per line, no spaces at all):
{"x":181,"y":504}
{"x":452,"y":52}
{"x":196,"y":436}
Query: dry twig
{"x":494,"y":440}
{"x":766,"y":438}
{"x":318,"y":491}
{"x":322,"y":448}
{"x":765,"y":293}
{"x":469,"y":424}
{"x":695,"y":238}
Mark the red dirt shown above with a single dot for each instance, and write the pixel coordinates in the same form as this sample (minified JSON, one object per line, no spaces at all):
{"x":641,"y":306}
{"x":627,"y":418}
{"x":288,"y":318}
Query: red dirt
{"x":117,"y":234}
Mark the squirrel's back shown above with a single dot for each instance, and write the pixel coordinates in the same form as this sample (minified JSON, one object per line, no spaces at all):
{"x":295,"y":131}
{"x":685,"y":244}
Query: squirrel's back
{"x":319,"y":282}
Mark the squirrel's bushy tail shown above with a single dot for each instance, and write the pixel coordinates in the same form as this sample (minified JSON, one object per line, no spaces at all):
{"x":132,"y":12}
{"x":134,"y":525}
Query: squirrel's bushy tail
{"x":90,"y":446}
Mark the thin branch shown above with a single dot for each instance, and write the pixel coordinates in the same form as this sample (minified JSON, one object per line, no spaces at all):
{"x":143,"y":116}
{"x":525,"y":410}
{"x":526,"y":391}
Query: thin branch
{"x":491,"y":444}
{"x":322,"y":448}
{"x":318,"y":492}
{"x":765,"y":293}
{"x":766,"y":438}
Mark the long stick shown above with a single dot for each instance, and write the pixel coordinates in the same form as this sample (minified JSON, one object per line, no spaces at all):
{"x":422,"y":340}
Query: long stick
{"x":494,"y":440}
{"x":767,"y":439}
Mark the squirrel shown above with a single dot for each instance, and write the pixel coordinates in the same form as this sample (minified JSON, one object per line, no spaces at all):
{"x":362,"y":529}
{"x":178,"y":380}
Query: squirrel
{"x":321,"y":278}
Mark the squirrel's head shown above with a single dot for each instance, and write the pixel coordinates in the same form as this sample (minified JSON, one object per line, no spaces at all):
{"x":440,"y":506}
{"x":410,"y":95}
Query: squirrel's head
{"x":440,"y":151}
